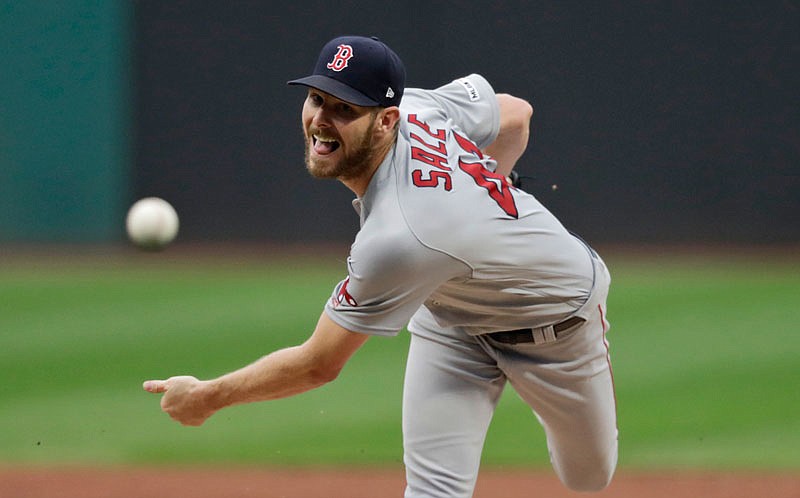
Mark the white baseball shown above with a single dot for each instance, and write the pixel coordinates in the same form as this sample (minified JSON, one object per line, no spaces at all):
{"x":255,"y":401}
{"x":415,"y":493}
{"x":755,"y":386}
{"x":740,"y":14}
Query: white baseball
{"x":152,"y":223}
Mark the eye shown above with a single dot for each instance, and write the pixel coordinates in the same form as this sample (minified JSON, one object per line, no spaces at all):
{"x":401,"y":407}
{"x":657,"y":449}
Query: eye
{"x":345,"y":109}
{"x":315,"y":99}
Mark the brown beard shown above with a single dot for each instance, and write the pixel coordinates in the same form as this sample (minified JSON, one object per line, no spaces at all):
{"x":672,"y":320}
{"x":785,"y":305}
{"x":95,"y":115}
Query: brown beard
{"x":353,"y":165}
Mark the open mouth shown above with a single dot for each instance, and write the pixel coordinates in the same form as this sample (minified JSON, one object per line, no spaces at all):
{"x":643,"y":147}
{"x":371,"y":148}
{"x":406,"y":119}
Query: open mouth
{"x":324,"y":145}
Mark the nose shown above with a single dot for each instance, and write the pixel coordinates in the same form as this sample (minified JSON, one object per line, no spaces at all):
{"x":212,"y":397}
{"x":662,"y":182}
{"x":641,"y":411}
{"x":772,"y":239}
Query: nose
{"x":320,"y":117}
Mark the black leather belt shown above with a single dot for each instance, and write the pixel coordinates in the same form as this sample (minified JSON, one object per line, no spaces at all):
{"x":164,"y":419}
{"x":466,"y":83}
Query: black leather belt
{"x":526,"y":335}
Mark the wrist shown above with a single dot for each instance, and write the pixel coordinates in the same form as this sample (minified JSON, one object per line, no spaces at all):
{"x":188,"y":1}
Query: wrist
{"x":214,"y":395}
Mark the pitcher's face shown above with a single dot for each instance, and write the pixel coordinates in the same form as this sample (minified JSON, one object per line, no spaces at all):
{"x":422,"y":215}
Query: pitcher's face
{"x":338,"y":136}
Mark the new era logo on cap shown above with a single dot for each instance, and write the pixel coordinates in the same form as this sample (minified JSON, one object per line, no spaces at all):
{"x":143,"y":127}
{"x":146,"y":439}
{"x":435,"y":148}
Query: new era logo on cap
{"x":360,"y":70}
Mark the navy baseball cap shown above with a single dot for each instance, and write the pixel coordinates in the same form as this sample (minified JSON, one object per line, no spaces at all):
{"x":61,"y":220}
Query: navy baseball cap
{"x":359,"y":70}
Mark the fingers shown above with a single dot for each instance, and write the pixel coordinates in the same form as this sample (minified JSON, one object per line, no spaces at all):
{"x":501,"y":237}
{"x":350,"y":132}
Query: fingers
{"x":155,"y":386}
{"x":179,"y":382}
{"x":181,"y":400}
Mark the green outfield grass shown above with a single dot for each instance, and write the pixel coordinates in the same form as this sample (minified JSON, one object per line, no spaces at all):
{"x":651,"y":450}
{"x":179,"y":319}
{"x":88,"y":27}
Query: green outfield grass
{"x":706,"y":354}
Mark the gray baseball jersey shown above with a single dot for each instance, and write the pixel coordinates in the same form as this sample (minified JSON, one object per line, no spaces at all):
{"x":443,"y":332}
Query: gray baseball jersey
{"x":447,"y":247}
{"x":440,"y":230}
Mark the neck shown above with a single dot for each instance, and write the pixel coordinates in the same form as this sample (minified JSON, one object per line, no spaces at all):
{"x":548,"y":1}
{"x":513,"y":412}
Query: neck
{"x":358,"y":185}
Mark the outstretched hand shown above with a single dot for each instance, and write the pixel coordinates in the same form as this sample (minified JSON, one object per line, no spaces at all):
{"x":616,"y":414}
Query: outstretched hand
{"x":184,"y":399}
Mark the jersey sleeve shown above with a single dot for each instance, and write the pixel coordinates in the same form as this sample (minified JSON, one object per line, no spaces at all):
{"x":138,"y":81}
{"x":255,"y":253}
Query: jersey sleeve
{"x":387,"y":284}
{"x":469,"y":103}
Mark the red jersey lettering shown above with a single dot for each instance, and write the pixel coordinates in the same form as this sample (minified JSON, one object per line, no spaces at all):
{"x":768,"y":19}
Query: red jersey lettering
{"x":495,"y":184}
{"x":439,"y":135}
{"x":441,"y":148}
{"x":430,"y":159}
{"x":468,"y":145}
{"x":432,"y":180}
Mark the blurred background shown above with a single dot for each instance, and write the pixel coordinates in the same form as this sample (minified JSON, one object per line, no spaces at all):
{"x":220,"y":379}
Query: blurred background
{"x":663,"y":125}
{"x":658,"y":121}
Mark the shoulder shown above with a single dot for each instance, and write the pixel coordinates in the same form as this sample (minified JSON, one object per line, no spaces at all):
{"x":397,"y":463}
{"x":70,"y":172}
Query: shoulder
{"x":468,"y":103}
{"x":466,"y":89}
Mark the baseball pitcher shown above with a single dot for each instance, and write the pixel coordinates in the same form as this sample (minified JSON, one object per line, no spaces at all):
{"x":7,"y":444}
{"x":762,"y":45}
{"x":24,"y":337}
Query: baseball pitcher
{"x":491,"y":286}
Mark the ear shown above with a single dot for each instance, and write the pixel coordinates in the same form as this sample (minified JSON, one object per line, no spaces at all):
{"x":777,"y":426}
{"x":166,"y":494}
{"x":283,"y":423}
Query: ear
{"x":387,"y":119}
